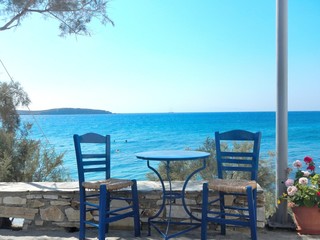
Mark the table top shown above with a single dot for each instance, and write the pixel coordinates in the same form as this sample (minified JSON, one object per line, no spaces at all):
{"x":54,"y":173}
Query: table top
{"x":172,"y":155}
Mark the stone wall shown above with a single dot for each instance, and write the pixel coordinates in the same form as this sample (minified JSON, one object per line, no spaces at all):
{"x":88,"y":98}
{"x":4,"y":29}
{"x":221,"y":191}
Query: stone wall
{"x":53,"y":205}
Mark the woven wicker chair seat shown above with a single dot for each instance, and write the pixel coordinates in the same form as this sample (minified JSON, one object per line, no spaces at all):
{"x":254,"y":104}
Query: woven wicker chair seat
{"x":231,"y":185}
{"x":111,"y":183}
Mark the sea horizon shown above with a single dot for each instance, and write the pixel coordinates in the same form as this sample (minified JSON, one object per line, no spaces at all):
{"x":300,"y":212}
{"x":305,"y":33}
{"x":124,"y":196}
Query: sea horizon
{"x":97,"y":109}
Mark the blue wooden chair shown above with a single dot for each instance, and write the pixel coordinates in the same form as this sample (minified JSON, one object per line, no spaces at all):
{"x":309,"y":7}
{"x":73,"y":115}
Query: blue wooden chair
{"x":233,"y":163}
{"x":93,"y":158}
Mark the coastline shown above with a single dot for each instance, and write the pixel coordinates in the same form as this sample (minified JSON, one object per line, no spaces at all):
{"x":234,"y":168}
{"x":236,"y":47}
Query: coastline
{"x":64,"y":111}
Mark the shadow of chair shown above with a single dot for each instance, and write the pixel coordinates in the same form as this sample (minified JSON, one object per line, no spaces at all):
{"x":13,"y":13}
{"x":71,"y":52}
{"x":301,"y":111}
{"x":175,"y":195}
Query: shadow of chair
{"x":93,"y":158}
{"x":237,"y":176}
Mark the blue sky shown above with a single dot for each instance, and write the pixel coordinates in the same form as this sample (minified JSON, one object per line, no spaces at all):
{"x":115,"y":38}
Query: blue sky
{"x":169,"y":56}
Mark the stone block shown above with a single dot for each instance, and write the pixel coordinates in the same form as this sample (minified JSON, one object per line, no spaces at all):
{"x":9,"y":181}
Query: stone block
{"x":34,"y":196}
{"x":52,"y":213}
{"x":72,"y":215}
{"x":47,"y":196}
{"x":60,"y":203}
{"x":18,"y":212}
{"x":14,"y":200}
{"x":35,"y":204}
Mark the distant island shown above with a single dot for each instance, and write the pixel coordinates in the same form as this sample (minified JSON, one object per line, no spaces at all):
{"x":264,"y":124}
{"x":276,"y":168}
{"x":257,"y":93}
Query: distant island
{"x":64,"y":111}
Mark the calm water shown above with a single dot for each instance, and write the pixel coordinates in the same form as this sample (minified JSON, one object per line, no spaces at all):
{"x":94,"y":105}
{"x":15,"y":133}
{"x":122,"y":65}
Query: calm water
{"x":132,"y":133}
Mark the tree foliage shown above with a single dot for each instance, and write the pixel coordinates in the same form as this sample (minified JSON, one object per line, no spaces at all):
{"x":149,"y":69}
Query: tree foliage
{"x":73,"y":15}
{"x":23,"y":159}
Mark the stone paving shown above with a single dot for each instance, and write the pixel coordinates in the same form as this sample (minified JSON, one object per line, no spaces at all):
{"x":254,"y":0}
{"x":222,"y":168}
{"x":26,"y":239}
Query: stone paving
{"x":263,"y":234}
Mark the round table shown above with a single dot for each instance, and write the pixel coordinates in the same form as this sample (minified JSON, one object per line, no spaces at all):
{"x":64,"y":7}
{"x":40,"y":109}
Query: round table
{"x":169,"y":156}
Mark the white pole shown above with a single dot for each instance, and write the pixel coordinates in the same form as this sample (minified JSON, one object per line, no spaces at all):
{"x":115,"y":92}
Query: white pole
{"x":282,"y":107}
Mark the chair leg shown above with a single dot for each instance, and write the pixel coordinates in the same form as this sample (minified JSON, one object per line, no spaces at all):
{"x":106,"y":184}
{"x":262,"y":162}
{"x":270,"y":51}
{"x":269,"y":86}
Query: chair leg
{"x":252,"y":212}
{"x":204,"y":213}
{"x":222,"y":213}
{"x":149,"y":227}
{"x":102,"y":212}
{"x":135,"y":207}
{"x":82,"y":231}
{"x":107,"y":215}
{"x":255,"y":204}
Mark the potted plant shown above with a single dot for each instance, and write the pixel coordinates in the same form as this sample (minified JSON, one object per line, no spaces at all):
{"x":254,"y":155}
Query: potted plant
{"x":303,"y":196}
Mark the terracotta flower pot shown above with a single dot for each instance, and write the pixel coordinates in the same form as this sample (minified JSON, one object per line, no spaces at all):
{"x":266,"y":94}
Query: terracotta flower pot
{"x":307,"y":219}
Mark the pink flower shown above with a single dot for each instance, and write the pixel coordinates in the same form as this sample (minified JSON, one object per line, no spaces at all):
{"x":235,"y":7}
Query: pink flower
{"x":297,"y":164}
{"x":303,"y":181}
{"x":318,"y":194}
{"x":289,"y":182}
{"x":307,"y":159}
{"x":292,"y":190}
{"x":306,"y":173}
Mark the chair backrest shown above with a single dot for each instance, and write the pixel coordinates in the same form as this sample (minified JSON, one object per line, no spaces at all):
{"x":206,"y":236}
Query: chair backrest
{"x":230,"y":160}
{"x":93,"y":155}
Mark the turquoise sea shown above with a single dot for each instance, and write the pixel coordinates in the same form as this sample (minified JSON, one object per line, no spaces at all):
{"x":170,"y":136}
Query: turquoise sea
{"x":132,"y":133}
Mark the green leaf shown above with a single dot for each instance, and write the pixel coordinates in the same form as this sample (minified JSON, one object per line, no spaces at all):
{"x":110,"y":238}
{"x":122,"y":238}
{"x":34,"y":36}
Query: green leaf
{"x":308,"y":202}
